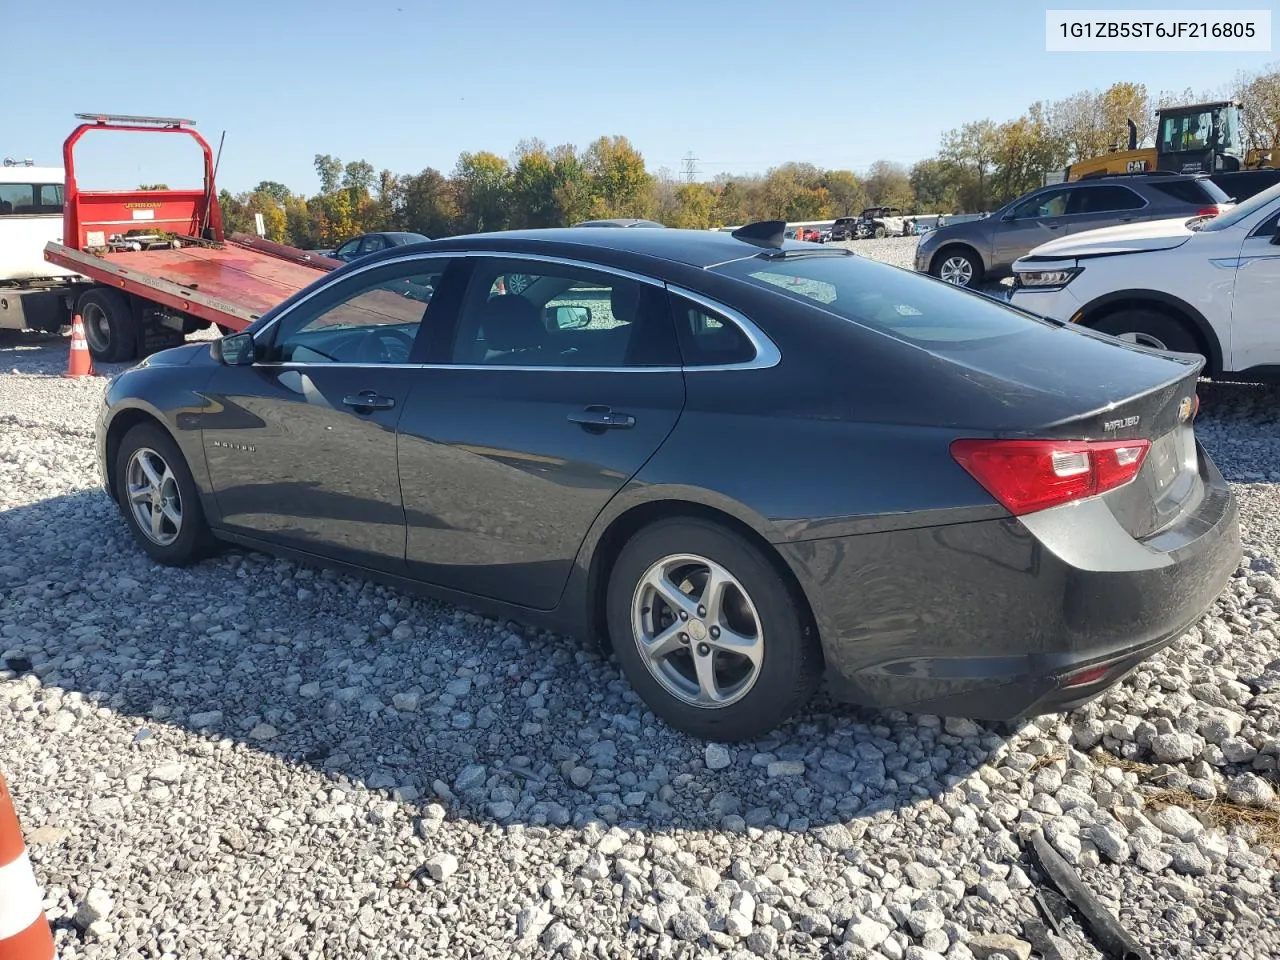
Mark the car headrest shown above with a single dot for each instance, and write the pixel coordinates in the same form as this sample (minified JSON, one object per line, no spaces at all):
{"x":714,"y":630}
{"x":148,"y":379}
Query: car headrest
{"x":624,"y":301}
{"x":512,"y":323}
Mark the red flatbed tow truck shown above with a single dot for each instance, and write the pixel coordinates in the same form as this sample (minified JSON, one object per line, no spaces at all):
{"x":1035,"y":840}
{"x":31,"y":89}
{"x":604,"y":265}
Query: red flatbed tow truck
{"x":153,"y":265}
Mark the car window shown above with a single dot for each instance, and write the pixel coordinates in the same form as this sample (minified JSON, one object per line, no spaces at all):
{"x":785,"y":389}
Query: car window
{"x":50,"y":198}
{"x":525,"y":313}
{"x":1052,"y":203}
{"x":16,"y":198}
{"x":371,"y":319}
{"x":348,"y":249}
{"x":904,"y":305}
{"x":1197,"y":192}
{"x":1268,"y":227}
{"x":707,"y":338}
{"x":1103,"y":199}
{"x":372,"y":244}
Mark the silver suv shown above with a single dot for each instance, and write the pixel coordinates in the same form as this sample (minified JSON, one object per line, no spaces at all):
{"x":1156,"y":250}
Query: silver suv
{"x":977,"y":251}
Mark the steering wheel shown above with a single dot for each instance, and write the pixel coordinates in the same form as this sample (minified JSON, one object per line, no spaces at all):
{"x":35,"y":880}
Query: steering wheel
{"x":384,"y":345}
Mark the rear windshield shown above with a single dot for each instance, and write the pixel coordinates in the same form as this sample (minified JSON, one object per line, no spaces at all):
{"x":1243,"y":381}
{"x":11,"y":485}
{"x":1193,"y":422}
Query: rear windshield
{"x":1192,"y":191}
{"x":913,"y":308}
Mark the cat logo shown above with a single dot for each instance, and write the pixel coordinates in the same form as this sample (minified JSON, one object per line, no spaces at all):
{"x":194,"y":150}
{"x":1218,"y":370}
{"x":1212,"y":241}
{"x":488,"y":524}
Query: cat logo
{"x":1136,"y":166}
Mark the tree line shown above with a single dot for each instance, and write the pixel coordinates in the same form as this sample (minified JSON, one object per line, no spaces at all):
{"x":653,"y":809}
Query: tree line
{"x":979,"y":166}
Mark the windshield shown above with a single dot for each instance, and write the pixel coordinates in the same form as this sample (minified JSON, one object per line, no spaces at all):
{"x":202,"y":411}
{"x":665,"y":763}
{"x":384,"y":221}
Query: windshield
{"x":1243,"y":211}
{"x":1189,"y":131}
{"x":904,"y":305}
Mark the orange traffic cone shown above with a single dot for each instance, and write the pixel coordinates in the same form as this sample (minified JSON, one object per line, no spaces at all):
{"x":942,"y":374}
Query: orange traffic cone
{"x":24,"y":931}
{"x":80,"y":363}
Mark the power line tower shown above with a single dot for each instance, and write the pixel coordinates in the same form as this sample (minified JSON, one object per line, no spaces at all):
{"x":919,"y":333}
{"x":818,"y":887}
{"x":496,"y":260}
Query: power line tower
{"x":689,"y":167}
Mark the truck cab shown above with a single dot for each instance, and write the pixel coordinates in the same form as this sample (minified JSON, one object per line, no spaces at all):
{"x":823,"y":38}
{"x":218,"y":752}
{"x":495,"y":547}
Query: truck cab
{"x":30,"y":216}
{"x":1200,"y":138}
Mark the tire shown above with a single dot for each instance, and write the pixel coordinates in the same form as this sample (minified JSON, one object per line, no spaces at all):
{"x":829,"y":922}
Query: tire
{"x":879,"y":232}
{"x":109,"y":325}
{"x":958,"y":267}
{"x":758,"y":693}
{"x":177,"y":544}
{"x":1150,"y":329}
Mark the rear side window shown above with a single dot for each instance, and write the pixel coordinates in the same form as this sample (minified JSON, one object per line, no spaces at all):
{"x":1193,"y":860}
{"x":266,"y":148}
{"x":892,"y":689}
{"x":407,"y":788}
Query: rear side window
{"x":708,"y":339}
{"x":896,"y":302}
{"x":1196,"y":192}
{"x":1104,"y":200}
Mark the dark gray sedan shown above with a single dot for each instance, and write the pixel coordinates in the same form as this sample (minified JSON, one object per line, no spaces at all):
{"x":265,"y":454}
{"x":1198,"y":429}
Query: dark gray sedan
{"x":976,"y":251}
{"x":738,"y":461}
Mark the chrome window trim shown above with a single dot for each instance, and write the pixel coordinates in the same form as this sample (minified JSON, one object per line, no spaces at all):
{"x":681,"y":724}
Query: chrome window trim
{"x":767,"y":353}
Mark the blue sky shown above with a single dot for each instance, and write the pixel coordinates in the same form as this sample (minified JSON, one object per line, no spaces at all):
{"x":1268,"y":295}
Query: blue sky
{"x":408,"y":84}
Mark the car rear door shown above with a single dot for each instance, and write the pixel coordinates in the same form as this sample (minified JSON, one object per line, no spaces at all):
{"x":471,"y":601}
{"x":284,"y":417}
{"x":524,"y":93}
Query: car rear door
{"x":562,"y":380}
{"x":301,"y":446}
{"x":1103,"y":205}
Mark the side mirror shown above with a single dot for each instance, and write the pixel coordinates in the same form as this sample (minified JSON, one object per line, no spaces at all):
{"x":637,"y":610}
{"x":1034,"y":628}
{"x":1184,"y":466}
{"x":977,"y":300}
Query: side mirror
{"x":235,"y":350}
{"x":571,"y":317}
{"x":1009,"y":216}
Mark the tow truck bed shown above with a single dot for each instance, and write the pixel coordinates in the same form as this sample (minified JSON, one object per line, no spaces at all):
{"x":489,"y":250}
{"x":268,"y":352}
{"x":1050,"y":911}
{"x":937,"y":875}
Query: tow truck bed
{"x":230,"y":285}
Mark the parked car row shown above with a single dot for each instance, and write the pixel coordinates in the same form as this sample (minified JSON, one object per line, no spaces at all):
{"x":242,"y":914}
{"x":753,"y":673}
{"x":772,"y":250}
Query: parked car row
{"x":970,"y":253}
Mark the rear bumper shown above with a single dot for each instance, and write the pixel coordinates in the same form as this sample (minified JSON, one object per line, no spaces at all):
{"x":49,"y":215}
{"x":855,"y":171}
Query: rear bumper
{"x":987,"y":620}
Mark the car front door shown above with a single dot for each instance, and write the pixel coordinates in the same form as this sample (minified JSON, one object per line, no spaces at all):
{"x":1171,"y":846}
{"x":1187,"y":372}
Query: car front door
{"x":1103,"y":205}
{"x":561,"y":381}
{"x":1255,"y":309}
{"x":1038,"y":219}
{"x":301,"y":446}
{"x":348,"y":251}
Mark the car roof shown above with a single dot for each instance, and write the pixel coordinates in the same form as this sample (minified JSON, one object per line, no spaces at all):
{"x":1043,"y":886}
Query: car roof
{"x":697,"y":248}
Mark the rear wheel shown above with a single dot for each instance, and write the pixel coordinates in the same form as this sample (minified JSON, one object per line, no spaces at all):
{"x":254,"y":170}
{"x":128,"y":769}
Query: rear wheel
{"x":708,"y":633}
{"x":958,"y":267}
{"x":1150,"y":329}
{"x":109,"y":325}
{"x":879,"y":232}
{"x":158,"y":497}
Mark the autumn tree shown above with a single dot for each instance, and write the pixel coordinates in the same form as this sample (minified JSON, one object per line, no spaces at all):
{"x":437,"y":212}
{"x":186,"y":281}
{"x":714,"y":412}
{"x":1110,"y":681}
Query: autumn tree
{"x":1259,"y":96}
{"x":482,"y":184}
{"x":888,"y":185}
{"x":619,"y":181}
{"x":846,"y":194}
{"x":970,"y":152}
{"x":427,"y":204}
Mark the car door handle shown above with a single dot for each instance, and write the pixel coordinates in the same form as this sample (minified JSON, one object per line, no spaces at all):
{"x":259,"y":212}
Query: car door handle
{"x":366,"y":401}
{"x":602,"y":418}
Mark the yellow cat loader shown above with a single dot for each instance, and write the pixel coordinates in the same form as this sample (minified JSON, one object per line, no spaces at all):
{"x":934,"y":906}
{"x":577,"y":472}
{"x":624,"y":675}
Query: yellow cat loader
{"x":1195,"y":138}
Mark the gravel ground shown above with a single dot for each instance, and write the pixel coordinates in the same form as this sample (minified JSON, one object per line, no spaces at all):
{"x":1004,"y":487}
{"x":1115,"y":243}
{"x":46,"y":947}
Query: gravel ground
{"x":252,"y":758}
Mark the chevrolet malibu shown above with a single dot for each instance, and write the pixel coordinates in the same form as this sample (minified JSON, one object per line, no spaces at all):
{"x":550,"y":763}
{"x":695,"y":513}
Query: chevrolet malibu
{"x":740,"y":462}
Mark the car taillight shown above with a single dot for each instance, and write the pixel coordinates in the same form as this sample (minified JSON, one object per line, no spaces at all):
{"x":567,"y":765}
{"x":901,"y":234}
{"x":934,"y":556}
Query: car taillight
{"x":1030,"y":475}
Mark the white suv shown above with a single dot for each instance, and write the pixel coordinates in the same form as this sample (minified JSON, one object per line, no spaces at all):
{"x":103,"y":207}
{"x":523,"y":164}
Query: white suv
{"x":1200,"y":285}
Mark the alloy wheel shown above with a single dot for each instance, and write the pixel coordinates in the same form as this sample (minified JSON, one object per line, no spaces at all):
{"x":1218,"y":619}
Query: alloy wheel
{"x":697,"y":630}
{"x":154,"y":497}
{"x":957,"y":271}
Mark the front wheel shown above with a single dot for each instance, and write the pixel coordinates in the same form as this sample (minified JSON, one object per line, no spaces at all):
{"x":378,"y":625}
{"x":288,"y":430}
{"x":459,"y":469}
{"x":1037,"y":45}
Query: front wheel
{"x":708,"y":633}
{"x":879,"y":233}
{"x":158,"y":497}
{"x":958,"y":268}
{"x":1150,"y":329}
